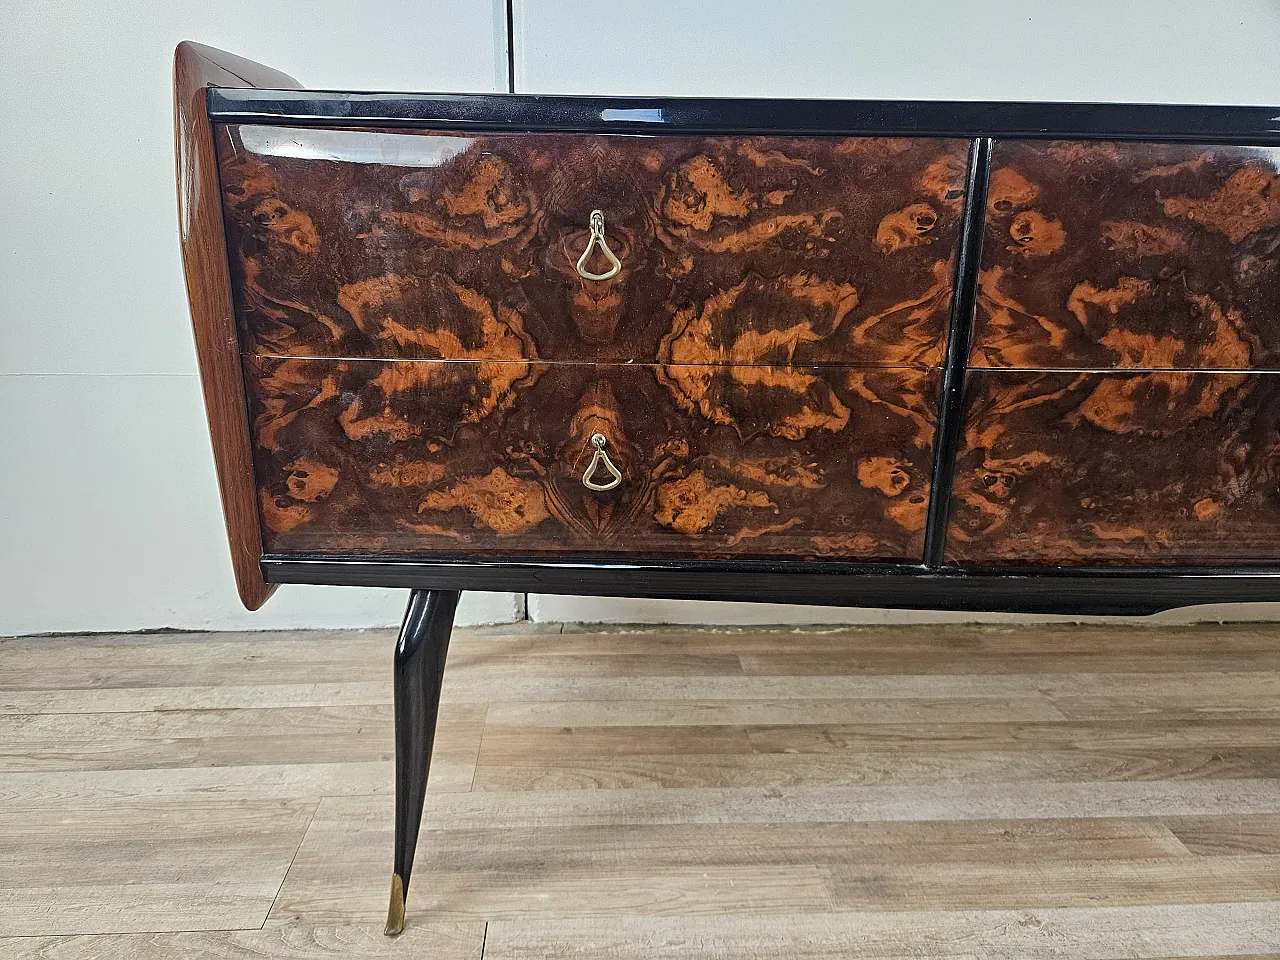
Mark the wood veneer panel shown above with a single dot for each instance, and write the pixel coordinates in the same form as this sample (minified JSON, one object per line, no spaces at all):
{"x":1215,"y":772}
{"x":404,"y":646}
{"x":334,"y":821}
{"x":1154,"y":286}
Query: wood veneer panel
{"x":204,"y":260}
{"x":742,"y":250}
{"x":1146,"y":255}
{"x":1115,"y":468}
{"x":430,"y":457}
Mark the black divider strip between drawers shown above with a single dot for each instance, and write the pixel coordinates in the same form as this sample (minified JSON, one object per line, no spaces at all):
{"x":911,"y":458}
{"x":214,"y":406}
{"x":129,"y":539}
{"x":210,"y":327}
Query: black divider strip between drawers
{"x":960,"y":335}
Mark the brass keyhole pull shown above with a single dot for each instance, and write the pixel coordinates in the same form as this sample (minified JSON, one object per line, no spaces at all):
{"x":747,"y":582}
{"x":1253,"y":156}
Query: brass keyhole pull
{"x":597,"y":239}
{"x":601,"y":459}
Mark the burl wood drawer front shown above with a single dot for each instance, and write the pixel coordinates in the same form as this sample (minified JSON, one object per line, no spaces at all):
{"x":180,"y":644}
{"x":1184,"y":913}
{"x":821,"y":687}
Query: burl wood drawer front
{"x":733,"y":250}
{"x":430,"y":458}
{"x":1154,"y":256}
{"x":1099,"y":468}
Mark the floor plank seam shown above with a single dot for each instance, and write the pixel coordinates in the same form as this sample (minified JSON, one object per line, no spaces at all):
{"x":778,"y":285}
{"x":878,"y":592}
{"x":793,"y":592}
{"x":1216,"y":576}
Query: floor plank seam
{"x":1173,"y":833}
{"x":292,"y":860}
{"x":475,"y":766}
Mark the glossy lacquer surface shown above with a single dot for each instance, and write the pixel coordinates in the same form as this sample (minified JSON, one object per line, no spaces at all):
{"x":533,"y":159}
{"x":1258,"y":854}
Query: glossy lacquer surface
{"x":749,"y":116}
{"x":486,"y":458}
{"x":734,"y":250}
{"x":1169,"y":467}
{"x":1144,"y":255}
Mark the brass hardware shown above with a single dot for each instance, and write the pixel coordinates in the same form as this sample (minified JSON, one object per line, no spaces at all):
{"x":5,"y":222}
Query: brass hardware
{"x":597,"y":239}
{"x":600,"y":459}
{"x":395,"y":910}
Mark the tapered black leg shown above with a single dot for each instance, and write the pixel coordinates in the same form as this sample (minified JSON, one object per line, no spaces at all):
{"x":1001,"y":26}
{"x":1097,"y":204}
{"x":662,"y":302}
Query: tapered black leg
{"x":419,"y":665}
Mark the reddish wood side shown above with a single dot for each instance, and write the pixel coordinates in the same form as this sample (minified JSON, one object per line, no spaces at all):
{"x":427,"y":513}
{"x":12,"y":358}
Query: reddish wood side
{"x":204,"y":260}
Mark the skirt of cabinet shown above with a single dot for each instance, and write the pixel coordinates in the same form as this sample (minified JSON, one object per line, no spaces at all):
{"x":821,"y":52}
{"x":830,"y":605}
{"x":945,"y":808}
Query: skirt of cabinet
{"x":1154,"y":468}
{"x":431,"y":458}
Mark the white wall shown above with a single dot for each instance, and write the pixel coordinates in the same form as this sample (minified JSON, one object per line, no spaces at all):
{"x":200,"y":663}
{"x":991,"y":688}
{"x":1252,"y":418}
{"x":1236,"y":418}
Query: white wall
{"x":109,"y":516}
{"x":1155,"y":51}
{"x":109,"y":513}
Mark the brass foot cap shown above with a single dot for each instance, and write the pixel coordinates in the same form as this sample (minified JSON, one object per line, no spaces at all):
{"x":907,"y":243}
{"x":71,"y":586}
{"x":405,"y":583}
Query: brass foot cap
{"x":395,"y":910}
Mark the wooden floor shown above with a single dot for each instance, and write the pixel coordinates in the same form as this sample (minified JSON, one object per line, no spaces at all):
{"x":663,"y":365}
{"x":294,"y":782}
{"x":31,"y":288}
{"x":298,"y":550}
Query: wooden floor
{"x":1031,"y":792}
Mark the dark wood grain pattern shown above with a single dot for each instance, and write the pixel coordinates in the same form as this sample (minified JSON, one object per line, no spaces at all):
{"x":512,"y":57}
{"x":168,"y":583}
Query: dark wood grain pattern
{"x":474,"y":458}
{"x":1144,"y":255}
{"x":735,"y":250}
{"x":204,"y":260}
{"x":1088,"y":468}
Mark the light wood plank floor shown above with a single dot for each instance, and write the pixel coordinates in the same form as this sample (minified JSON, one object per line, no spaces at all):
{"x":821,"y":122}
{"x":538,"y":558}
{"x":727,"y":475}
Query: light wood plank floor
{"x":1030,"y":792}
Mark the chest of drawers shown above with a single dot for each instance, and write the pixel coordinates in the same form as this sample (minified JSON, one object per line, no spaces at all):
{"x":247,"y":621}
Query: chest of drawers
{"x":1008,"y":357}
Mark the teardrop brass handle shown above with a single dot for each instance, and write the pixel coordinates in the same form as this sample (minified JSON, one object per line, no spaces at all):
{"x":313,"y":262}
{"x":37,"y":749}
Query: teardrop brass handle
{"x":597,"y":240}
{"x":601,"y":459}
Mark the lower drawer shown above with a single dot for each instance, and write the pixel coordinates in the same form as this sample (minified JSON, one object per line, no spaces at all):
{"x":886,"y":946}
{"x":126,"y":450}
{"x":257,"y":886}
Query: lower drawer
{"x":488,"y":458}
{"x":1118,"y":468}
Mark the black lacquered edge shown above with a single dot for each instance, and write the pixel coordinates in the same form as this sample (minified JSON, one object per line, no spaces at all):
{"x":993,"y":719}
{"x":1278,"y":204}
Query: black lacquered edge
{"x":1071,"y":591}
{"x":932,"y":118}
{"x":964,"y":296}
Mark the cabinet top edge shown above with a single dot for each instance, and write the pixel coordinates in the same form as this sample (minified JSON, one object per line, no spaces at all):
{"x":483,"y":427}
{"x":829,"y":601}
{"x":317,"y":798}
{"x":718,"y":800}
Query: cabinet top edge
{"x":654,"y":115}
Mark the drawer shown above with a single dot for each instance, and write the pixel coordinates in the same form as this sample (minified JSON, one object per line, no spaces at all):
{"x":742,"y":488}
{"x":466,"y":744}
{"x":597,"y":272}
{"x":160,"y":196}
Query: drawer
{"x":488,"y":458}
{"x":1130,"y":255}
{"x":732,"y":250}
{"x":1118,"y":468}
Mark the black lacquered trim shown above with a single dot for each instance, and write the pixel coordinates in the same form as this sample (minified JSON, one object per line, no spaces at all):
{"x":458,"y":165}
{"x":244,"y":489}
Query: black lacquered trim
{"x":511,"y":46}
{"x":1116,"y":591}
{"x":931,"y":118}
{"x":964,"y":296}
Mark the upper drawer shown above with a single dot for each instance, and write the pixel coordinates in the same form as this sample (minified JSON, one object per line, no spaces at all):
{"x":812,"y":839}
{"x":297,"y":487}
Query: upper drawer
{"x":733,"y":250}
{"x":1154,"y":256}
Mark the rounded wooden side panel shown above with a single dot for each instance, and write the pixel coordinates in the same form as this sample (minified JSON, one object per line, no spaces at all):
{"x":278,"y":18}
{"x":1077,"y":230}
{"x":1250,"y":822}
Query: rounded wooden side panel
{"x":204,"y":259}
